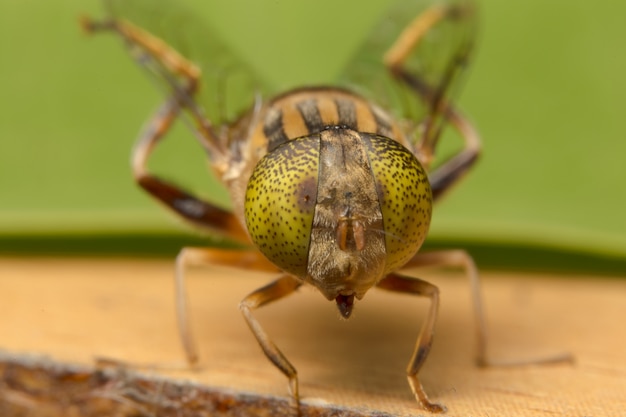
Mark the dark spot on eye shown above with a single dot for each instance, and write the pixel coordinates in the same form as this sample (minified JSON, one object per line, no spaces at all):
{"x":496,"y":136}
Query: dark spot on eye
{"x":307,"y":193}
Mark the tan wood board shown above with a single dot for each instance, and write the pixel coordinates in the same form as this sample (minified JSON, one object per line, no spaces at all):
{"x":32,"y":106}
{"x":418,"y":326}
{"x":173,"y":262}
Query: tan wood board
{"x":73,"y":310}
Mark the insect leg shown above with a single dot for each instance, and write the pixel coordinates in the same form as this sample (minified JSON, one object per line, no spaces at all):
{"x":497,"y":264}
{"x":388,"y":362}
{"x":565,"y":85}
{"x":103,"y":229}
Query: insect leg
{"x":166,"y":63}
{"x":280,"y":288}
{"x":398,"y":283}
{"x":453,"y":169}
{"x":461,"y":259}
{"x":440,"y":109}
{"x":171,"y":66}
{"x":187,"y":205}
{"x":190,"y":256}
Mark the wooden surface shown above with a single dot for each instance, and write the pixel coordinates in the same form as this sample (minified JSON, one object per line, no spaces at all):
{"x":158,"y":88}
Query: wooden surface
{"x":72,"y":310}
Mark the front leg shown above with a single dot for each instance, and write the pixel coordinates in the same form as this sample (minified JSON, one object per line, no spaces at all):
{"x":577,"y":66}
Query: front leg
{"x":280,"y":288}
{"x":399,"y":283}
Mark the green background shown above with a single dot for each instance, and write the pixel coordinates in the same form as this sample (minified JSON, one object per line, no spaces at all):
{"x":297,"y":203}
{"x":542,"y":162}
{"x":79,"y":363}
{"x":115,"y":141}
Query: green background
{"x":546,"y":90}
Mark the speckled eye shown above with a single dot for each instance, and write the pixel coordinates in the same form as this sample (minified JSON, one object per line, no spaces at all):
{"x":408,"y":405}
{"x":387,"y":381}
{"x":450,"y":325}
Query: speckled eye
{"x":335,"y":204}
{"x":280,"y":203}
{"x":405,"y":199}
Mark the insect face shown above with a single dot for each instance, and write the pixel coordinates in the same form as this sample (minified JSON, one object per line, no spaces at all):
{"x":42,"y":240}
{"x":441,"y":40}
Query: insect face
{"x":338,"y":208}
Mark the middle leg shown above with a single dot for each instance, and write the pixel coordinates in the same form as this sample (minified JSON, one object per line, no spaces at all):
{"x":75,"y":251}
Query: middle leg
{"x":190,"y":256}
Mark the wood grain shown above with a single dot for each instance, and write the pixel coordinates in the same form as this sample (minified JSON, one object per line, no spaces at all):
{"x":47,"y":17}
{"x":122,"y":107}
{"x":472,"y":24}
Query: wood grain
{"x":71,"y":311}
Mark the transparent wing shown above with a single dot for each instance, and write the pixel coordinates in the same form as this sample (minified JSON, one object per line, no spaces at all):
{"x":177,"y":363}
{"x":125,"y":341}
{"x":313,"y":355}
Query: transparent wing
{"x":228,"y":85}
{"x":430,"y":68}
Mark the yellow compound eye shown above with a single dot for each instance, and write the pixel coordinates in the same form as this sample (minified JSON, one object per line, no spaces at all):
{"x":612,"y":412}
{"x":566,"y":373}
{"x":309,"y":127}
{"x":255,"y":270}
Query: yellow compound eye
{"x":405,"y":199}
{"x":280,"y":203}
{"x":361,"y":179}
